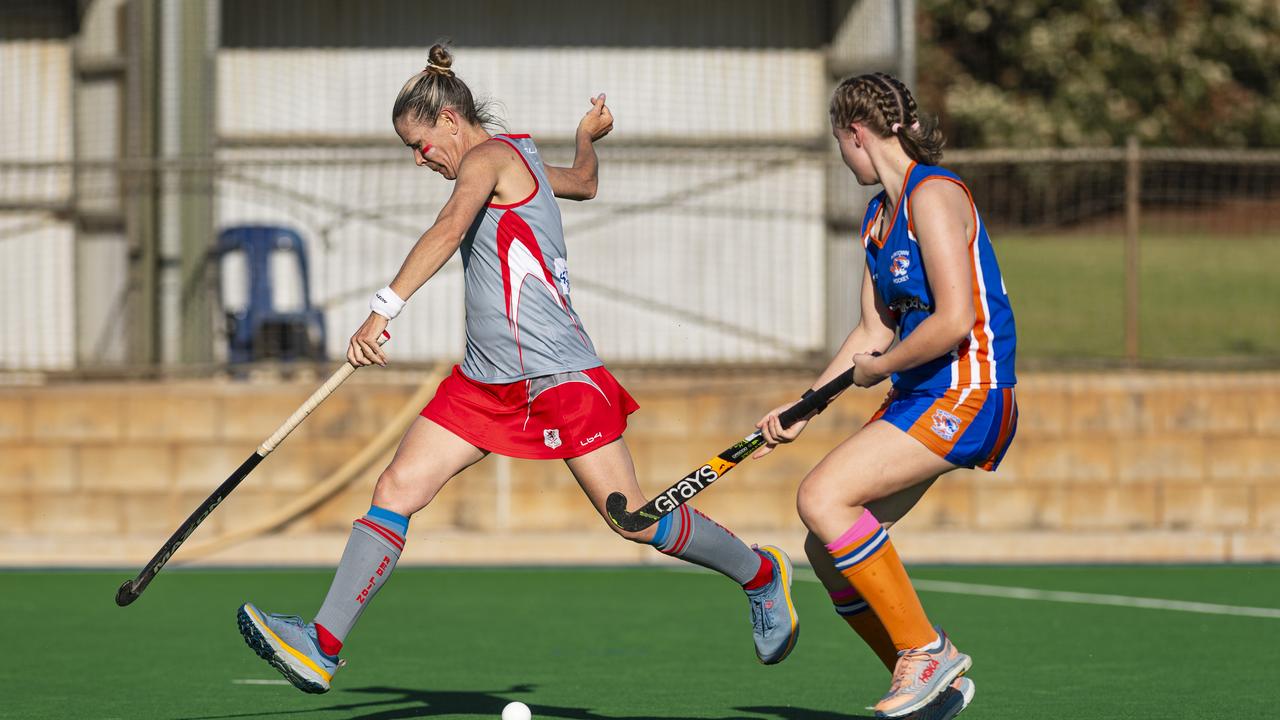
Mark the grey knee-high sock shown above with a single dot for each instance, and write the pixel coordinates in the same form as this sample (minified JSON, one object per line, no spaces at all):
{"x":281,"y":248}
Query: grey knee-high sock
{"x":698,"y":539}
{"x":366,"y":565}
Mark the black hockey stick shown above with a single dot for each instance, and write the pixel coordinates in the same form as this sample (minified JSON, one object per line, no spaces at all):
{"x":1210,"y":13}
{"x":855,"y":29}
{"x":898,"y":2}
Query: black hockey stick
{"x":710,"y":471}
{"x":131,"y":589}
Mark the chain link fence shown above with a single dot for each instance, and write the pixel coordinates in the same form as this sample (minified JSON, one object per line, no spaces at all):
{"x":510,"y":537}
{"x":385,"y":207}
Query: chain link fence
{"x":722,"y":235}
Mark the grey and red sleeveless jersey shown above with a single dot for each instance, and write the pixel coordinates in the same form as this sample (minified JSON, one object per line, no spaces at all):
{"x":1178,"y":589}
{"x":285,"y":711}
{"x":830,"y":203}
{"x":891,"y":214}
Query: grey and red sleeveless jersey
{"x":520,"y":323}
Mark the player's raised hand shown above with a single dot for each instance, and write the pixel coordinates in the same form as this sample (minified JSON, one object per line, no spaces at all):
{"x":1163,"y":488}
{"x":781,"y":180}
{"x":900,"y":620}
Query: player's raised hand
{"x":598,"y":121}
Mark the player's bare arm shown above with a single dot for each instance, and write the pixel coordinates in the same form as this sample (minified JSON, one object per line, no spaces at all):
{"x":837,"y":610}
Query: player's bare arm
{"x":943,"y":224}
{"x":579,"y":182}
{"x":476,"y":183}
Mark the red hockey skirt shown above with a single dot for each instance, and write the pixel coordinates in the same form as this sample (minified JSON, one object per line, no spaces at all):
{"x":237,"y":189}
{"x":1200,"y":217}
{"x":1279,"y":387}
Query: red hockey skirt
{"x":554,"y":417}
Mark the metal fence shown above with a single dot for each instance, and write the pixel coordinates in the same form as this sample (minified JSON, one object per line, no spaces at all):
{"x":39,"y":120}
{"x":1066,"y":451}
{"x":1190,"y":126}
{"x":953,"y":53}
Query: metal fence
{"x":722,"y":235}
{"x":689,"y":255}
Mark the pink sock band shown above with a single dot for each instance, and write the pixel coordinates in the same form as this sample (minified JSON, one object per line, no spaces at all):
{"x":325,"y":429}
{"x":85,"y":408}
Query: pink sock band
{"x":844,"y":595}
{"x":865,"y":525}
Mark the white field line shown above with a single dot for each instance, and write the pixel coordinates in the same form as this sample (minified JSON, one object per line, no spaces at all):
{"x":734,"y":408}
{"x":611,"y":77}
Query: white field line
{"x":1020,"y":593}
{"x":1079,"y":598}
{"x":256,"y":681}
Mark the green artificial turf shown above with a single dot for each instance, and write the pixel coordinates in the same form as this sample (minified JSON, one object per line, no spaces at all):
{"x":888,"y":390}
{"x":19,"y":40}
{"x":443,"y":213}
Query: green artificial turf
{"x":1202,"y":296}
{"x":626,"y":644}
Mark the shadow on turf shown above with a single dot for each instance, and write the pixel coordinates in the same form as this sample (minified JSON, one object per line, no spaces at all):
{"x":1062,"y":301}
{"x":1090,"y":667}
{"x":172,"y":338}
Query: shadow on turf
{"x":426,"y":703}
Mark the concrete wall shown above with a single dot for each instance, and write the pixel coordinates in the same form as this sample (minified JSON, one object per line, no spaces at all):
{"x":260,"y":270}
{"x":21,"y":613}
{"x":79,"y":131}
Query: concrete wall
{"x":1155,"y":467}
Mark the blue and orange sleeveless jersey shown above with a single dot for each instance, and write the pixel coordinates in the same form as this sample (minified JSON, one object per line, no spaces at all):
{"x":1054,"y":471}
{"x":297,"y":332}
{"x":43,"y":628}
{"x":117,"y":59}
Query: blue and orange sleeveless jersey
{"x":985,"y":359}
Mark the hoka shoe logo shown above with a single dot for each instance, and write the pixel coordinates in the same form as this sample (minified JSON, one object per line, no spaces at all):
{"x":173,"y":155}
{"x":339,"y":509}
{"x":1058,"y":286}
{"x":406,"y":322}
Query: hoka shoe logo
{"x":928,"y":671}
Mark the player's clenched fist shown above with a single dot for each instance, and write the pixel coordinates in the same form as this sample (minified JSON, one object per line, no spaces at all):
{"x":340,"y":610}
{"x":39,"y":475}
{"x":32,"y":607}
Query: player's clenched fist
{"x":598,"y":121}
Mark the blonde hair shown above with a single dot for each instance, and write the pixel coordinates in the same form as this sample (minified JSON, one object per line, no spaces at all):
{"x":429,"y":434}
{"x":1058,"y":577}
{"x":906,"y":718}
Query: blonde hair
{"x":884,"y":105}
{"x":435,"y":88}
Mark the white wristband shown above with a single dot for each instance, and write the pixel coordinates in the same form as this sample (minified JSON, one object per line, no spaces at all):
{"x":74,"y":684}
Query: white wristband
{"x":386,"y":303}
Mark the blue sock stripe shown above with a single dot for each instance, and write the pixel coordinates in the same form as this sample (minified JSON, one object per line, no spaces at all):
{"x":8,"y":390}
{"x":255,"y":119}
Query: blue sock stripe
{"x":664,"y":529}
{"x":858,"y":554}
{"x":393,"y":520}
{"x":853,"y":608}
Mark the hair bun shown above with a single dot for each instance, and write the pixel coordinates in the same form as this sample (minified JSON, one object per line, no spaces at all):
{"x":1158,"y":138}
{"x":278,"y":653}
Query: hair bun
{"x":440,"y":61}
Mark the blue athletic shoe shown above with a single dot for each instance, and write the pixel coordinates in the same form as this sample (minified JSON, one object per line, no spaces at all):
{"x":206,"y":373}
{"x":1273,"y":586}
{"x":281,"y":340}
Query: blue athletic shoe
{"x":290,"y":645}
{"x":773,"y":615}
{"x":951,"y":702}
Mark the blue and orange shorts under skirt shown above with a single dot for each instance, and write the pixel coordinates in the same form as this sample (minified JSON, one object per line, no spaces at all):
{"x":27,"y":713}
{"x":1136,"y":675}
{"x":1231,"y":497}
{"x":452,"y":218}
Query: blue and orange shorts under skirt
{"x":967,"y":427}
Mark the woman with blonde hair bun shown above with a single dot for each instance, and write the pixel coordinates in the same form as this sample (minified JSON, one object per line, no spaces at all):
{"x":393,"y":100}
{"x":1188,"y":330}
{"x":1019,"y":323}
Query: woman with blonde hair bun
{"x":529,"y":386}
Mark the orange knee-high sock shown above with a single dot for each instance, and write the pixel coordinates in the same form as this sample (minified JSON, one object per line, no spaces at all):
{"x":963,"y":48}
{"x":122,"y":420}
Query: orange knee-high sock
{"x":864,"y":555}
{"x":855,"y":611}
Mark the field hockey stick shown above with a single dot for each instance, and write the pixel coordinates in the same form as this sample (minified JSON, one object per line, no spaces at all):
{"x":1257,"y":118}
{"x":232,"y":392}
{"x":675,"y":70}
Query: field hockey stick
{"x":713,"y":469}
{"x":131,"y":589}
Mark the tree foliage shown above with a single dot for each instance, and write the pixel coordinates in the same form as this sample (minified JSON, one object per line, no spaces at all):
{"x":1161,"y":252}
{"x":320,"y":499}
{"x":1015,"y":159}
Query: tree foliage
{"x":1035,"y":73}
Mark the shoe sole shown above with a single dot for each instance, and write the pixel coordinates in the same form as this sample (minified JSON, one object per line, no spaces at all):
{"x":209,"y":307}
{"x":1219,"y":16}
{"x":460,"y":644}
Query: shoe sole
{"x":271,"y":648}
{"x":785,"y":567}
{"x":970,"y":689}
{"x":944,"y":683}
{"x":950,"y":703}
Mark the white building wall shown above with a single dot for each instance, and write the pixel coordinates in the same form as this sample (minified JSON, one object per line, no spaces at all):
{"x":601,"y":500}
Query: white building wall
{"x":669,"y":93}
{"x":37,"y":300}
{"x":686,"y":255}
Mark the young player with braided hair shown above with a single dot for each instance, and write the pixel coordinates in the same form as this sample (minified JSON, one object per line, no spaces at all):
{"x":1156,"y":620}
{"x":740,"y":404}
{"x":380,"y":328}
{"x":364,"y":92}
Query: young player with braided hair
{"x":935,"y":318}
{"x":530,"y":384}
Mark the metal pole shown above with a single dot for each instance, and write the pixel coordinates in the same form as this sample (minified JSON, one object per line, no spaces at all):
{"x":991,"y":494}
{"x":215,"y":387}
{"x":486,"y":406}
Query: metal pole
{"x":1132,"y":259}
{"x":907,"y":42}
{"x":197,"y":57}
{"x":187,"y":44}
{"x":138,"y":184}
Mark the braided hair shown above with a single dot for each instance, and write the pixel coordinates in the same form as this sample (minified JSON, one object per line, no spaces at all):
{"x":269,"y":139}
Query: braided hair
{"x":884,"y":104}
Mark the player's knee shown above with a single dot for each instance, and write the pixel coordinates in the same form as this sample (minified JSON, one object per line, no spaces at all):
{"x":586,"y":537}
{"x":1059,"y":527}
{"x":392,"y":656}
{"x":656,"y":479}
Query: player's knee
{"x":819,"y":495}
{"x":396,"y":491}
{"x":811,"y":500}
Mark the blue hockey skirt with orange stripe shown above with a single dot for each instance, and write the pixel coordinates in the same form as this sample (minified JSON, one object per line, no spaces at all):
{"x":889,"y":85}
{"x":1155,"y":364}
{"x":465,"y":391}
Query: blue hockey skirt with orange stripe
{"x":968,"y":427}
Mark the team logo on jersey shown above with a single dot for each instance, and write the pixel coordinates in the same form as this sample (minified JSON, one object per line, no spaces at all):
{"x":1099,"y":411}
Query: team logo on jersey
{"x":560,"y":271}
{"x":899,"y":264}
{"x":551,"y":438}
{"x":945,"y":425}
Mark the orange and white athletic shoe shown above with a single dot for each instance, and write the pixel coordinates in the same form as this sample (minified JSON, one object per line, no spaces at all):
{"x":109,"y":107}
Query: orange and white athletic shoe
{"x":921,"y":675}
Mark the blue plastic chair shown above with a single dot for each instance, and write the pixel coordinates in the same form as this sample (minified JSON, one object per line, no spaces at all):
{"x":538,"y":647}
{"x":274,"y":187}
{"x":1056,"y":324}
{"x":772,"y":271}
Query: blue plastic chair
{"x":260,"y":331}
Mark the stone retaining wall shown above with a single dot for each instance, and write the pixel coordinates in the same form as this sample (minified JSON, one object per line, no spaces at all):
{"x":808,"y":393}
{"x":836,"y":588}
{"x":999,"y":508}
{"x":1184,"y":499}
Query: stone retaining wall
{"x":1114,"y":468}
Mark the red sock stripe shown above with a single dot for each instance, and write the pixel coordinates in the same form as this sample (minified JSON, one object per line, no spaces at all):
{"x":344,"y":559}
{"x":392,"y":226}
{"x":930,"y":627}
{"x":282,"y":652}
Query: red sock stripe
{"x":683,"y":538}
{"x":391,"y":537}
{"x":687,"y":528}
